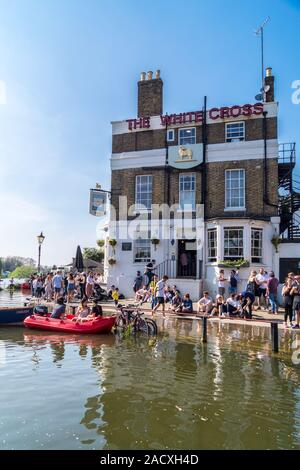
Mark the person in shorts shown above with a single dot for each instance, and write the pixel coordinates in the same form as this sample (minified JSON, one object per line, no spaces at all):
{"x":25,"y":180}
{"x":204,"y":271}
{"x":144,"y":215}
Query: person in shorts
{"x":160,"y":294}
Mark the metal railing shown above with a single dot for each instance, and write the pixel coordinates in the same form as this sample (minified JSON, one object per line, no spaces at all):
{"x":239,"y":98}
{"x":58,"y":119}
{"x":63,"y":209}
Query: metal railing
{"x":174,"y":269}
{"x":287,"y":152}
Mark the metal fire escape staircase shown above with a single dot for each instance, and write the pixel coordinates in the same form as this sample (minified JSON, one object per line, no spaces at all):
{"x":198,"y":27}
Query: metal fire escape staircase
{"x":289,"y":193}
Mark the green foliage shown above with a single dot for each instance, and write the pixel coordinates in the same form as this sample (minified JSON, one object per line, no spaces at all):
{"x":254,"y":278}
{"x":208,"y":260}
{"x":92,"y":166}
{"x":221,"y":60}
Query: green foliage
{"x":93,"y":253}
{"x":238,"y":263}
{"x":101,"y":243}
{"x":12,"y":262}
{"x":22,"y":272}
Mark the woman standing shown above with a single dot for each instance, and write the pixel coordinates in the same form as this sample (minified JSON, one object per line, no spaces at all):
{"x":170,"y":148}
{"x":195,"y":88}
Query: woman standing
{"x":89,"y":285}
{"x":253,"y":286}
{"x":71,"y":288}
{"x":288,"y":301}
{"x":82,"y":285}
{"x":48,"y":288}
{"x":296,"y":302}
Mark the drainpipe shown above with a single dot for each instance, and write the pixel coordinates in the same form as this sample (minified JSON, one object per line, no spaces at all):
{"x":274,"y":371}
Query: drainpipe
{"x":265,"y":192}
{"x":167,"y":173}
{"x":203,"y":193}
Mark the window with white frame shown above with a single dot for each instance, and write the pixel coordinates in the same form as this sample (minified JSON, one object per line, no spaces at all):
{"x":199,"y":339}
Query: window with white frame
{"x":187,"y":136}
{"x":235,"y":131}
{"x":233,"y":243}
{"x":170,"y":135}
{"x":256,"y":245}
{"x":235,"y":189}
{"x":187,"y":191}
{"x":143,"y":192}
{"x":142,"y":250}
{"x":212,"y":245}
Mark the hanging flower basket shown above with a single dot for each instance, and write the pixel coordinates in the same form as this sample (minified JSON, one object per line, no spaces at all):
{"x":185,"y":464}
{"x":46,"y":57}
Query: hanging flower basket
{"x":155,"y":242}
{"x":276,"y":242}
{"x":101,"y":243}
{"x":112,"y":242}
{"x":111,"y":261}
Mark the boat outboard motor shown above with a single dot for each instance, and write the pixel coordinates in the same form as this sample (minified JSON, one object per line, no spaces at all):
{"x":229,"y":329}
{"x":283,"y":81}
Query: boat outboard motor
{"x":40,"y":310}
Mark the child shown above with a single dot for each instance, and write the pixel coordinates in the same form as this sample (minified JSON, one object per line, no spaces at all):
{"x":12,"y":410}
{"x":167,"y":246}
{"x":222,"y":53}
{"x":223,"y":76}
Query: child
{"x":115,"y":295}
{"x":176,"y":302}
{"x":186,"y":306}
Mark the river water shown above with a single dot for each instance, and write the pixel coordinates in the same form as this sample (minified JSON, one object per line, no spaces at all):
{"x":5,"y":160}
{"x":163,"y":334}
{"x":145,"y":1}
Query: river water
{"x":172,"y":392}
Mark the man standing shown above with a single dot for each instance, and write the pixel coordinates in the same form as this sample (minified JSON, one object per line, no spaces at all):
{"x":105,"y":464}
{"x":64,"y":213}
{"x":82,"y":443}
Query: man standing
{"x":57,"y":285}
{"x":160,"y":294}
{"x":262,"y":280}
{"x":221,"y":282}
{"x":272,"y":286}
{"x":233,"y":281}
{"x":138,"y":282}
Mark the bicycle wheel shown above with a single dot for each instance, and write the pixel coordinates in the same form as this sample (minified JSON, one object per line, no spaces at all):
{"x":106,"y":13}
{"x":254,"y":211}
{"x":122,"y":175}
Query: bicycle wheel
{"x":120,"y":322}
{"x":152,"y":327}
{"x":140,"y":325}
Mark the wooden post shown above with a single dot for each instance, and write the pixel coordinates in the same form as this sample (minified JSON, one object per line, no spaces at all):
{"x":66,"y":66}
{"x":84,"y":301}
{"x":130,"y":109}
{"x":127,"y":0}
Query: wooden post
{"x":204,"y":329}
{"x":274,"y":337}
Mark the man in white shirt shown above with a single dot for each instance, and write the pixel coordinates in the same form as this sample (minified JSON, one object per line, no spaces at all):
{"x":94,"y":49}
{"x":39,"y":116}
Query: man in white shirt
{"x":233,"y":305}
{"x":160,"y":294}
{"x":205,"y":304}
{"x":262,"y":280}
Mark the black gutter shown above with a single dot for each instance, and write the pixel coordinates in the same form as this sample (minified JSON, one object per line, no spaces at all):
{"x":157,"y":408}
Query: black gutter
{"x":204,"y":142}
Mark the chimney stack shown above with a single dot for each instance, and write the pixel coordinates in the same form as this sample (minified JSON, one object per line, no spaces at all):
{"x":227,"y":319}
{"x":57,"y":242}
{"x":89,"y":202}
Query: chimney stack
{"x":150,"y":95}
{"x":269,"y":83}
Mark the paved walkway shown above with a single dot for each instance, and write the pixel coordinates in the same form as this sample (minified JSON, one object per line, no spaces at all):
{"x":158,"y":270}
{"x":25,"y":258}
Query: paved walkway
{"x":260,"y":317}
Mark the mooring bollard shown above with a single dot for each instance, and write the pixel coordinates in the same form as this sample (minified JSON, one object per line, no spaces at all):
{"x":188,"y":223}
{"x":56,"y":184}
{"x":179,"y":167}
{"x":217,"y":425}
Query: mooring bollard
{"x":204,"y":329}
{"x":274,"y":336}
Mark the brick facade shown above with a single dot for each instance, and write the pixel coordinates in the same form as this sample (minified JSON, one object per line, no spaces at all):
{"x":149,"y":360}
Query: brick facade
{"x":150,"y":97}
{"x":254,"y":171}
{"x":156,"y":139}
{"x":123,"y":184}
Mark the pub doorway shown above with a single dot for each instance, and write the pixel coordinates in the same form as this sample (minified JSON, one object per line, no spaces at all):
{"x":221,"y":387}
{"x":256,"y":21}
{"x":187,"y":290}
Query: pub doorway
{"x":187,"y":258}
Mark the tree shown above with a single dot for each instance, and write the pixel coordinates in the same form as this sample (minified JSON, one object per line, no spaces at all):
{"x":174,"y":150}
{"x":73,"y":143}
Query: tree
{"x":12,"y":262}
{"x":93,"y":253}
{"x":22,"y":272}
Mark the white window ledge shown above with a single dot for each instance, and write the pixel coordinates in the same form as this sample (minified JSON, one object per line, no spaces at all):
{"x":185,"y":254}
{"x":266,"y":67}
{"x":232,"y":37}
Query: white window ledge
{"x":234,"y":209}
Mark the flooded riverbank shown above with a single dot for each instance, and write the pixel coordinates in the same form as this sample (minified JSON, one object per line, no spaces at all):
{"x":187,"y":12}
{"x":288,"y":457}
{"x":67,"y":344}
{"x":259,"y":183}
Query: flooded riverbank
{"x":105,"y":392}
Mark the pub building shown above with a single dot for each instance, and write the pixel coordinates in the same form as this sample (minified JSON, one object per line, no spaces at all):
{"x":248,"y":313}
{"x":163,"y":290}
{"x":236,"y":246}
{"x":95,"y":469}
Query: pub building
{"x":223,"y":171}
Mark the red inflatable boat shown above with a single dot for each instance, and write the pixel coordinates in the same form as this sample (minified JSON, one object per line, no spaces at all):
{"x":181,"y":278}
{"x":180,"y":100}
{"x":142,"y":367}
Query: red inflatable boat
{"x":99,"y":325}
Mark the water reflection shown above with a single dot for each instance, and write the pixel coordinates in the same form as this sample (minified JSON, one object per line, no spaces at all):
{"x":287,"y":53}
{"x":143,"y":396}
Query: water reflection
{"x":172,"y":391}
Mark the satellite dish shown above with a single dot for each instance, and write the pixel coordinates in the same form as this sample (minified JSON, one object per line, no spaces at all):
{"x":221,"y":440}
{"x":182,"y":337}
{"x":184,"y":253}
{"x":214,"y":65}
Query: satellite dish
{"x":267,"y":88}
{"x":259,"y":97}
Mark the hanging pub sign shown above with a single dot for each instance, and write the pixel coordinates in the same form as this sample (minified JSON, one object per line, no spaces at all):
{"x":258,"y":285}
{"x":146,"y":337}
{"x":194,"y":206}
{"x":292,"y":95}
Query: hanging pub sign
{"x":98,"y":202}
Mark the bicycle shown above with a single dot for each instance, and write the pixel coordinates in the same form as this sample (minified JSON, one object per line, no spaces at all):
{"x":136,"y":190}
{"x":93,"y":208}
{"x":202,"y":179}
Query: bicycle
{"x":132,"y":316}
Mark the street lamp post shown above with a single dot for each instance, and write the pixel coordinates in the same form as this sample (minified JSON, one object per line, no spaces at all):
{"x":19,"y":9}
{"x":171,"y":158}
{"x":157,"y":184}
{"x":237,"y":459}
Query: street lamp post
{"x":40,"y":238}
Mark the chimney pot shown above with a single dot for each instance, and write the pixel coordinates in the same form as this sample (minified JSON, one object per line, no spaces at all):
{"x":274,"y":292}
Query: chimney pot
{"x":157,"y":74}
{"x":269,"y":72}
{"x":150,"y":75}
{"x":143,"y":76}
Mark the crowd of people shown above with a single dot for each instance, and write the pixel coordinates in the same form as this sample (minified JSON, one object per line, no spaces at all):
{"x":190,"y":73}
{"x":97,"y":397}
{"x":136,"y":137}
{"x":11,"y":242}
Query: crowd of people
{"x":52,"y":286}
{"x":260,"y":293}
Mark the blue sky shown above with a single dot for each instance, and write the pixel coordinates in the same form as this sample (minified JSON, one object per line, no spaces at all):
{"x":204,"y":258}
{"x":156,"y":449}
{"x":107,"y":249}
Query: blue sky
{"x":69,"y":67}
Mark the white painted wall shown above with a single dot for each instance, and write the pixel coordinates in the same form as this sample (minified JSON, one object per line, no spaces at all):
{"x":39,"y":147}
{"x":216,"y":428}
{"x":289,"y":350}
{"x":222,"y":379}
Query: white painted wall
{"x":231,"y":151}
